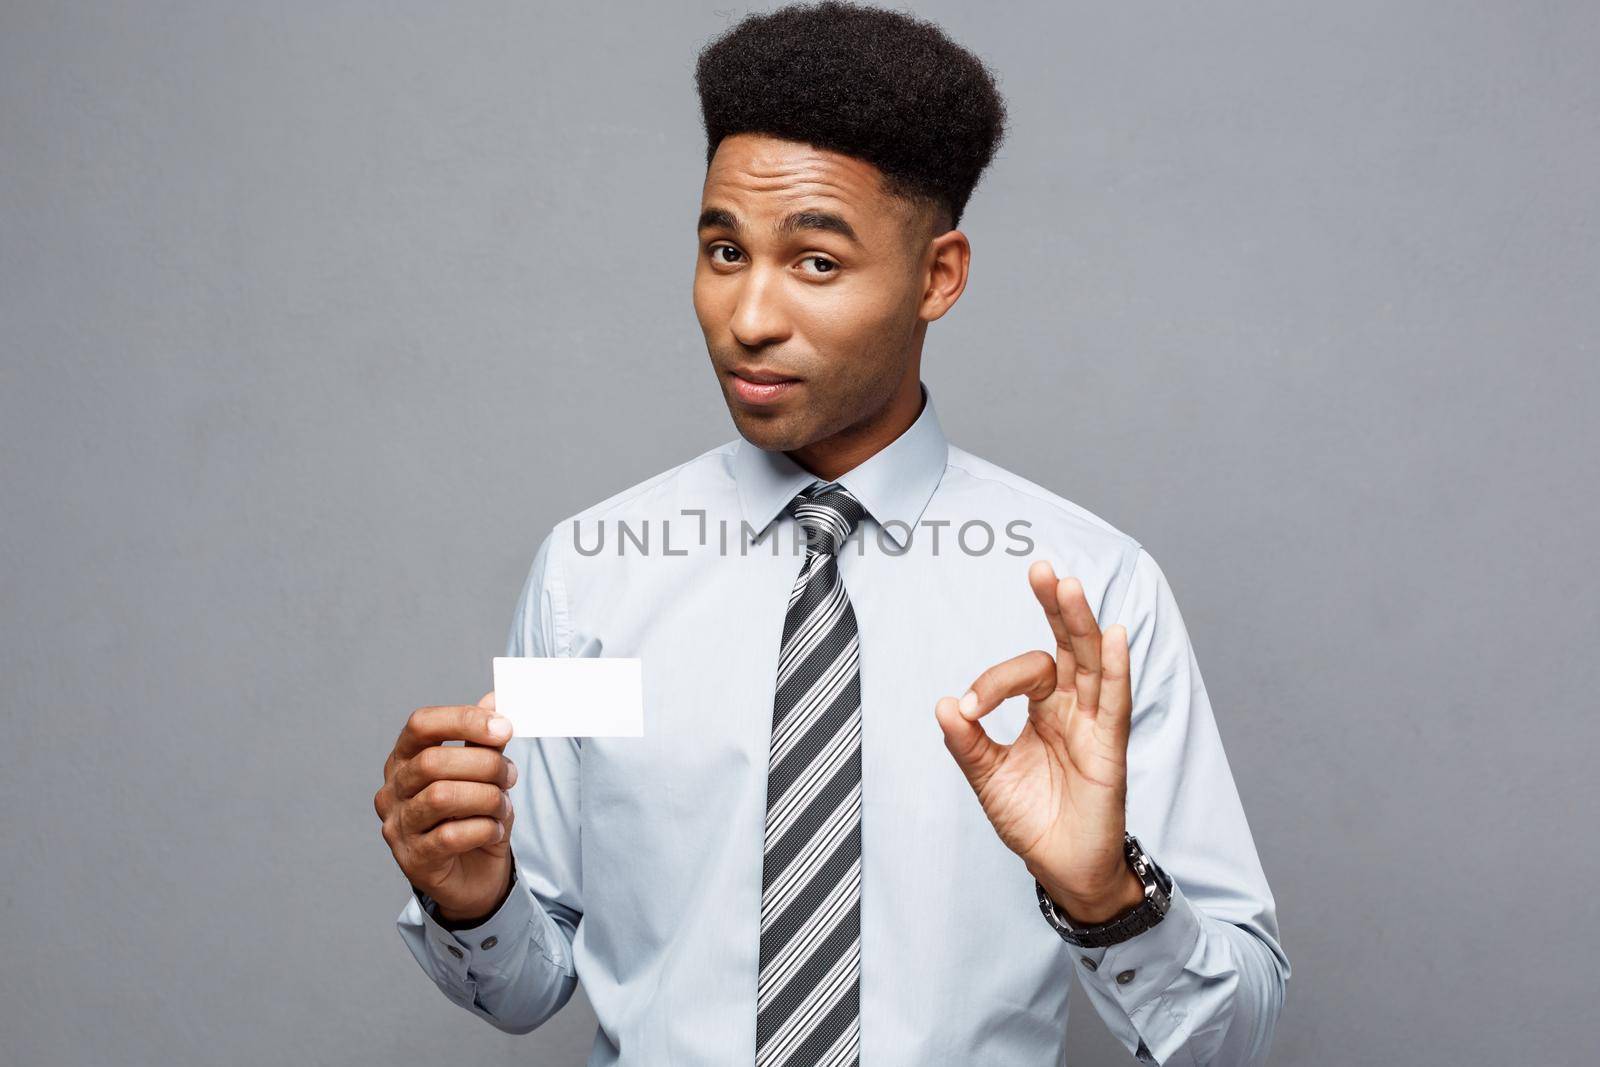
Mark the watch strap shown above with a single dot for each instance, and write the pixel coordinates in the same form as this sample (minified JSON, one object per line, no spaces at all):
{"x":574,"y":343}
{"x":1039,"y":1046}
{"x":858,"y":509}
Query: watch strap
{"x":1119,"y":928}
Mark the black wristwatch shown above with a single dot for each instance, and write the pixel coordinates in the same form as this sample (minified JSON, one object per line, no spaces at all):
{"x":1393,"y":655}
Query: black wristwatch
{"x":1119,"y":928}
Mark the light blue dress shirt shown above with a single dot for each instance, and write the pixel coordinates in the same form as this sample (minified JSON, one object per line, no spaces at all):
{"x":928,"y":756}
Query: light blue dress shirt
{"x":638,"y":860}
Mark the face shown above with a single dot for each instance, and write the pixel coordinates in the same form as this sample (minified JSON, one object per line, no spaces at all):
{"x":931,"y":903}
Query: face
{"x":814,"y":287}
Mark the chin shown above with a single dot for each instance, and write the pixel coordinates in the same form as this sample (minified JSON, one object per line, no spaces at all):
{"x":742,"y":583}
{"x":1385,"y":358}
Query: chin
{"x":768,"y":434}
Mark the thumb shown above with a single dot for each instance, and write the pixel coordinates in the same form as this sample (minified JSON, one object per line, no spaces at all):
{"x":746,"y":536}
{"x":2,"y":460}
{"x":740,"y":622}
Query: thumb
{"x":974,"y":750}
{"x":488,"y":703}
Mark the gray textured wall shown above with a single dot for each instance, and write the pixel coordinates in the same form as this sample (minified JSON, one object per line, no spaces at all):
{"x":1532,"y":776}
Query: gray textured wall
{"x":310,"y":314}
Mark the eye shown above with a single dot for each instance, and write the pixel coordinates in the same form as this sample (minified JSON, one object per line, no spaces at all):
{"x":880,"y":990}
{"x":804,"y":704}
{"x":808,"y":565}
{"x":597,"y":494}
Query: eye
{"x":716,"y":251}
{"x":829,"y":266}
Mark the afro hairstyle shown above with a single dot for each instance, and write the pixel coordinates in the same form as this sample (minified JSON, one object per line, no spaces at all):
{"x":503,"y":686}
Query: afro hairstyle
{"x":881,"y":86}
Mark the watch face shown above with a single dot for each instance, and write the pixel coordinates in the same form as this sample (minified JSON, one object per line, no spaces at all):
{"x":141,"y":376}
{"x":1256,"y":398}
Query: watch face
{"x":1056,"y":917}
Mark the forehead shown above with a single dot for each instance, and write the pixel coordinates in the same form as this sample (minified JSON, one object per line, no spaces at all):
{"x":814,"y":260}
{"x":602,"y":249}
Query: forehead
{"x":755,"y":176}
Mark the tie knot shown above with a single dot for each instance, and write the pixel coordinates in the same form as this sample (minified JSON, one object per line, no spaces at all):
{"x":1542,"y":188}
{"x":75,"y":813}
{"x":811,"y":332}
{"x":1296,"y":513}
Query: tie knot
{"x":828,"y":513}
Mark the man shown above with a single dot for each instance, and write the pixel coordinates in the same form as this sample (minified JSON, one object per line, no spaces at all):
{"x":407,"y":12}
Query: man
{"x":816,"y":854}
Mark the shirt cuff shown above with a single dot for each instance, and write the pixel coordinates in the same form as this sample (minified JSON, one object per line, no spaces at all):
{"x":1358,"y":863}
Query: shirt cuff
{"x":1135,"y":971}
{"x":484,"y":948}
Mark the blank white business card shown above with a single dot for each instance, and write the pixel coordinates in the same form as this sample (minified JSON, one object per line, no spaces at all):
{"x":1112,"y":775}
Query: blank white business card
{"x":570,"y":696}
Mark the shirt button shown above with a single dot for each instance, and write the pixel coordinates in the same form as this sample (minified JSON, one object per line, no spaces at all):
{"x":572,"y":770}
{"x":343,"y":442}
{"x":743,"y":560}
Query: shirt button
{"x":1125,"y":977}
{"x":1088,"y":962}
{"x":489,"y":942}
{"x":456,"y":952}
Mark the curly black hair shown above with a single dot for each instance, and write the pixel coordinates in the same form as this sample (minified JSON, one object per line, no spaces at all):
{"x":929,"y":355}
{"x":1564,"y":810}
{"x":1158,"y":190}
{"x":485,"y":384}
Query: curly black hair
{"x":878,"y":85}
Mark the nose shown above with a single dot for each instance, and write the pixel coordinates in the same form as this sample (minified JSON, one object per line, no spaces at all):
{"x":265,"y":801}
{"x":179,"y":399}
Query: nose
{"x":759,"y":317}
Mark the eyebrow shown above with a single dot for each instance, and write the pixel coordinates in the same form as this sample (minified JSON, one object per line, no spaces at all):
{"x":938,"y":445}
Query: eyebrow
{"x":794,"y":222}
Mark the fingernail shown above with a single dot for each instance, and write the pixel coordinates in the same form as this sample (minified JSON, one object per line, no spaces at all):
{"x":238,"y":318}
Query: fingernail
{"x":499,"y":831}
{"x":499,"y":727}
{"x":511,"y":775}
{"x":969,"y":703}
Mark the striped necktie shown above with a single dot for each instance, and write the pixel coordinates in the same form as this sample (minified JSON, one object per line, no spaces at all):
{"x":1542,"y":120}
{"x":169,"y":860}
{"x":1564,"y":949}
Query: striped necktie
{"x":808,"y":990}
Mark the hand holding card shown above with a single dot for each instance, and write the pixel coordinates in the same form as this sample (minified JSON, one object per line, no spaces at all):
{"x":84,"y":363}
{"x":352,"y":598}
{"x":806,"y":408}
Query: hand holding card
{"x":576,"y":696}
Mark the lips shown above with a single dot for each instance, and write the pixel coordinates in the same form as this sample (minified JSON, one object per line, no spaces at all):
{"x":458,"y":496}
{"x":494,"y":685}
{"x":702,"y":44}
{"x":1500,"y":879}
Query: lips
{"x":762,"y":387}
{"x":764,"y":377}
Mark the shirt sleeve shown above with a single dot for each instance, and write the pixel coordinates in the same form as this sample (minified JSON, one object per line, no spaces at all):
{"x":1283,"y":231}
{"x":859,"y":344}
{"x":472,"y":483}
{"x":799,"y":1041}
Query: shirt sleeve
{"x":515,"y":969}
{"x":1204,"y":985}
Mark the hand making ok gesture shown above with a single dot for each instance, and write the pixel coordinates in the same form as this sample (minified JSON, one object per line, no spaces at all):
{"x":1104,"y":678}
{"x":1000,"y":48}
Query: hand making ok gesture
{"x":1056,"y":795}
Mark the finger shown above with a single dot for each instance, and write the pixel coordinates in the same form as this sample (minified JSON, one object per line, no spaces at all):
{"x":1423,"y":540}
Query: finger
{"x":1032,"y":673}
{"x":455,"y":836}
{"x":461,"y":764}
{"x":1085,"y":636}
{"x":975,"y":752}
{"x":384,"y":800}
{"x":1116,"y":695}
{"x":452,"y":800}
{"x":436,"y":725}
{"x":1042,"y":577}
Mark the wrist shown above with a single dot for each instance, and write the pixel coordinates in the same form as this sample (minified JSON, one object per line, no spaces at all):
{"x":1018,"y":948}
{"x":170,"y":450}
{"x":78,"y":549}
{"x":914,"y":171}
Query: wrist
{"x":462,"y":921}
{"x":1123,"y":895}
{"x":1089,"y":921}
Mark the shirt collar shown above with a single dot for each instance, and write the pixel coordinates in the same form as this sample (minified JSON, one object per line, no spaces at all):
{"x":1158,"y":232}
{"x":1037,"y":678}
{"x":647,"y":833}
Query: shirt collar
{"x":894,"y":484}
